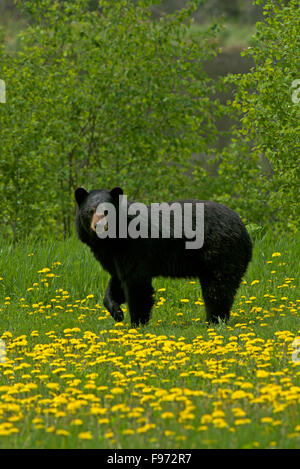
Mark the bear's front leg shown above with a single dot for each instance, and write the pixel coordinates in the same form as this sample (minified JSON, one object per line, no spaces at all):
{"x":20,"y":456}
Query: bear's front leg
{"x":139,"y":297}
{"x":113,"y":298}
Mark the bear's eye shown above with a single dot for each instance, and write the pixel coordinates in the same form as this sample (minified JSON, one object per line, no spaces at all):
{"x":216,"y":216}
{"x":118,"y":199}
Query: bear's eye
{"x":105,"y":212}
{"x":90,"y":211}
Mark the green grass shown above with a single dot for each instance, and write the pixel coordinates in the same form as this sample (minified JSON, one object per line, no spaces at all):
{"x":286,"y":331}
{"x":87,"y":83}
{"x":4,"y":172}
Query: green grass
{"x":72,"y":378}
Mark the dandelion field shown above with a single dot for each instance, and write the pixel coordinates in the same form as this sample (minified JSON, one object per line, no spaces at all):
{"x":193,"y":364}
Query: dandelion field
{"x":73,"y":378}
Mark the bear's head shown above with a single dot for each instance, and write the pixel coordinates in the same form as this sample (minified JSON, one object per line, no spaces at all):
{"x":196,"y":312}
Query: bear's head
{"x":95,"y":210}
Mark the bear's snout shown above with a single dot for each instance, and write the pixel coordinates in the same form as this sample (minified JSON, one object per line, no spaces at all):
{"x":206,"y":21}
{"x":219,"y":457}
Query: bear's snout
{"x":97,"y":217}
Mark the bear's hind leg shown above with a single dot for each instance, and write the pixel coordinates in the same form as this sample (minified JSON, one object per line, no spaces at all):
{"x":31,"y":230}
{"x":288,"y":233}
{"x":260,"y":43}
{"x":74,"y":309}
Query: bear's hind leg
{"x":218,"y":295}
{"x":114,"y":296}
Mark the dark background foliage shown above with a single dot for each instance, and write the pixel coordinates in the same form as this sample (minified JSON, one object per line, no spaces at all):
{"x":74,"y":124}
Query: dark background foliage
{"x":166,"y":99}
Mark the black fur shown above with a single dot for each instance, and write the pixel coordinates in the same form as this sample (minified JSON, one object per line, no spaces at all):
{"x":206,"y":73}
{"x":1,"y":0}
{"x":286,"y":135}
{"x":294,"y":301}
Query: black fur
{"x":132,"y":263}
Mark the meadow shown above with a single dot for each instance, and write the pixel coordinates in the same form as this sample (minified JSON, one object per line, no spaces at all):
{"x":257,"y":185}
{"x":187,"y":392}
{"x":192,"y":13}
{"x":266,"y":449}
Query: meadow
{"x":70,"y":377}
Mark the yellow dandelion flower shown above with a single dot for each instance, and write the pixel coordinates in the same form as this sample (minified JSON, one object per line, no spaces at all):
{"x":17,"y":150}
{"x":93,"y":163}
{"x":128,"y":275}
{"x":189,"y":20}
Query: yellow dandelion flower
{"x":238,"y":412}
{"x":242,"y":421}
{"x":266,"y":420}
{"x":117,"y":390}
{"x":85,"y":436}
{"x":7,"y":432}
{"x":218,"y":413}
{"x":167,"y":415}
{"x":62,"y":432}
{"x":50,"y":429}
{"x":53,"y":386}
{"x":145,"y":428}
{"x":128,"y":431}
{"x":76,"y":422}
{"x":220,"y":423}
{"x":262,"y":374}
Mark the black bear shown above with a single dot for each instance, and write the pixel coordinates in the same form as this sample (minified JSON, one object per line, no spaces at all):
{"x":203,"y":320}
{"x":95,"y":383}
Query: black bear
{"x":132,"y":260}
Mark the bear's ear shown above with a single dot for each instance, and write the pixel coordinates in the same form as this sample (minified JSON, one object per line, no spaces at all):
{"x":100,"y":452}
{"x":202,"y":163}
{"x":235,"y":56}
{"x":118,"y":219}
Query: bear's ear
{"x":80,"y":195}
{"x":116,"y":192}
